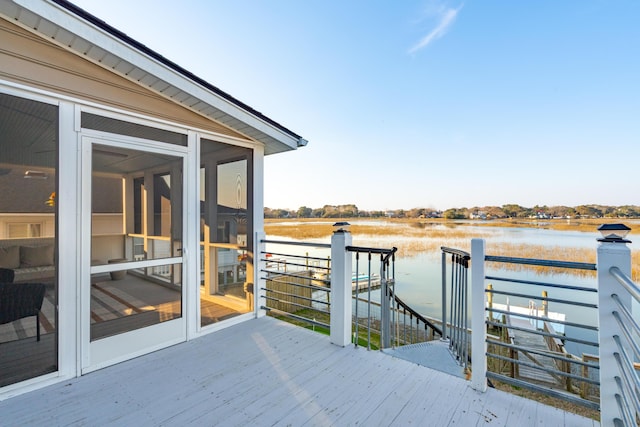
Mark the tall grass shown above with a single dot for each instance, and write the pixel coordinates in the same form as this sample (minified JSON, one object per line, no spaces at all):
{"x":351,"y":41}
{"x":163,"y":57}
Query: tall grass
{"x":412,"y":236}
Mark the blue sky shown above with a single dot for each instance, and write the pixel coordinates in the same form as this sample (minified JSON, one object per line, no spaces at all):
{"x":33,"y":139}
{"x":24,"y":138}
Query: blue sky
{"x":434,"y":104}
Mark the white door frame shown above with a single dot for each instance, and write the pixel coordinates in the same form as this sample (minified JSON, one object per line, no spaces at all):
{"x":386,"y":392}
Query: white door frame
{"x":110,"y":350}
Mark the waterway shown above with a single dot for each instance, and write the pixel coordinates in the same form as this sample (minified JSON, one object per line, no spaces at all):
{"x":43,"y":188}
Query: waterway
{"x":418,"y":268}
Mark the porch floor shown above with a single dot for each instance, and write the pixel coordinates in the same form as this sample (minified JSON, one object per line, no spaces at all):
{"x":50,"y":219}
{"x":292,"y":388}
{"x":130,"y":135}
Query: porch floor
{"x":268,"y":372}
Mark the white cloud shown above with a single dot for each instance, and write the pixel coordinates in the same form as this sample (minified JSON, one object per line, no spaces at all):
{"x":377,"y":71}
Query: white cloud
{"x":446,"y":18}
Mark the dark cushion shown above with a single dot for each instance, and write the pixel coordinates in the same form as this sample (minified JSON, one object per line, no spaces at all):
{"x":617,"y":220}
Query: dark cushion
{"x":10,"y":257}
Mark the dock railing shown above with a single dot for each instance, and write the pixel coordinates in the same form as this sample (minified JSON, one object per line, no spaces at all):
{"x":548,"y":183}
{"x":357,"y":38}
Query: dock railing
{"x":524,"y":343}
{"x":617,"y":342}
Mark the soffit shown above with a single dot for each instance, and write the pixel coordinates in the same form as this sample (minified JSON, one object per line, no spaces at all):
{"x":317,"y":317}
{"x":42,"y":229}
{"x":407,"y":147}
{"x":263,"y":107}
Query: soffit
{"x":70,"y":27}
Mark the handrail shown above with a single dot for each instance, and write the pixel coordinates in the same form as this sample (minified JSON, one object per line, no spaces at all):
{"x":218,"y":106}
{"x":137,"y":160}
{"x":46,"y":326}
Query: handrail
{"x":626,"y":282}
{"x":417,"y":315}
{"x":453,"y":251}
{"x":362,"y":249}
{"x":284,"y":242}
{"x":541,"y":262}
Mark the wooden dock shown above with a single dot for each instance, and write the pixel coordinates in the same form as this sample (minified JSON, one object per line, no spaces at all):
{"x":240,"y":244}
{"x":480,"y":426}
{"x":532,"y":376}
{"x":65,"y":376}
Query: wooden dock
{"x":533,"y":341}
{"x":268,"y":372}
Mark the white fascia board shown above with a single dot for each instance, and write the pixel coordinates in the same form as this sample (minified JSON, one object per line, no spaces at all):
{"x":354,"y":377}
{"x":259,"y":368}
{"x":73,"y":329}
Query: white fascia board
{"x":97,"y":37}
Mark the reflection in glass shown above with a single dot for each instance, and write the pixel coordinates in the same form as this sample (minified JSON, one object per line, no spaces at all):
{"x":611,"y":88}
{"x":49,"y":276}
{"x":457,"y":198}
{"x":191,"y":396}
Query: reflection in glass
{"x":136,"y":216}
{"x":28,"y":245}
{"x":225,"y":232}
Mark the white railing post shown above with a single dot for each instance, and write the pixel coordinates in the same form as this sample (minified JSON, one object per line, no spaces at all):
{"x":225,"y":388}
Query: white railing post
{"x":259,"y":292}
{"x":610,"y":254}
{"x":341,"y":293}
{"x":478,"y":326}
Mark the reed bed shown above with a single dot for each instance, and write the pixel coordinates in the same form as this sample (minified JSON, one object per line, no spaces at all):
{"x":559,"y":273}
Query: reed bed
{"x":413,"y":236}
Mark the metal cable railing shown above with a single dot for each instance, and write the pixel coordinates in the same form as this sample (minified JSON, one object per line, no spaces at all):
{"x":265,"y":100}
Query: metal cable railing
{"x":297,"y":286}
{"x":526,"y":344}
{"x":627,"y":381}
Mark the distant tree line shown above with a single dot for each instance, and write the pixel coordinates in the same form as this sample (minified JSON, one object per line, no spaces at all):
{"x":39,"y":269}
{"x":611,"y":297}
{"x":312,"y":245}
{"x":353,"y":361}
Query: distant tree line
{"x":485,"y":212}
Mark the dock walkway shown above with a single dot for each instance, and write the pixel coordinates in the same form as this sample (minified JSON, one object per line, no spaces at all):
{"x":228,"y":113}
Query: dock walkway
{"x":532,"y":341}
{"x":268,"y":372}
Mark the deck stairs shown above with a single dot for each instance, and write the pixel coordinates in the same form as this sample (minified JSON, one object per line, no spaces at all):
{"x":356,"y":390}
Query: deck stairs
{"x":431,"y":354}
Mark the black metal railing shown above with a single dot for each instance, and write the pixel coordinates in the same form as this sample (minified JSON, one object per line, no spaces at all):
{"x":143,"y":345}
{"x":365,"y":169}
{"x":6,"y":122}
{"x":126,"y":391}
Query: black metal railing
{"x":378,"y":331}
{"x":455,"y":313}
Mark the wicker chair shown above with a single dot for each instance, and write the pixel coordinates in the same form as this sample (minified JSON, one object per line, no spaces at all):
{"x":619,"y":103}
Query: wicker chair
{"x":19,"y":300}
{"x":6,"y":275}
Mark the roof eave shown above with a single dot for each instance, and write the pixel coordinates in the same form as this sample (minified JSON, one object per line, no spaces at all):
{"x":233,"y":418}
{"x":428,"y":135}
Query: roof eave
{"x":86,"y":35}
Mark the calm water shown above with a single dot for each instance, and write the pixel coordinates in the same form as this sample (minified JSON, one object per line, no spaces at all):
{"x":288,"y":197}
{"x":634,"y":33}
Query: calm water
{"x":419,"y":282}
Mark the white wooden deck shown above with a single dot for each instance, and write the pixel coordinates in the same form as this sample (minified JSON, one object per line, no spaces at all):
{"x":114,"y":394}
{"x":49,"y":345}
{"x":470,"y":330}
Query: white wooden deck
{"x":267,"y":372}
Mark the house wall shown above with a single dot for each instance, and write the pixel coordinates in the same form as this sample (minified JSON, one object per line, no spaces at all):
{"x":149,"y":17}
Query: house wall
{"x":28,"y":59}
{"x":32,"y":62}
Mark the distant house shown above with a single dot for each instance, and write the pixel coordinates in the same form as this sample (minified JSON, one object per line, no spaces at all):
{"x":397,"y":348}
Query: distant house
{"x":478,"y":215}
{"x":130,"y":188}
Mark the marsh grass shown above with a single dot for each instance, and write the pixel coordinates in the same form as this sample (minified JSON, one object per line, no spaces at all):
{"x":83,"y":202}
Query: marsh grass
{"x":413,"y":236}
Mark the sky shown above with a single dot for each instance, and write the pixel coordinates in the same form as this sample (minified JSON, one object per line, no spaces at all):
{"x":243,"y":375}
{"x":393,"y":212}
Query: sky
{"x":421,"y":103}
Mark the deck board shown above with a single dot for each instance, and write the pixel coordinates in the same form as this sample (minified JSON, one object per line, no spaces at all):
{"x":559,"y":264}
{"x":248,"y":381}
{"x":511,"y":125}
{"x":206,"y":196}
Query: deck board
{"x":267,"y":372}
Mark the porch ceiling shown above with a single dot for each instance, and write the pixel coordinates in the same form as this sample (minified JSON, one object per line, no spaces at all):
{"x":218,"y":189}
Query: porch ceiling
{"x":87,"y":36}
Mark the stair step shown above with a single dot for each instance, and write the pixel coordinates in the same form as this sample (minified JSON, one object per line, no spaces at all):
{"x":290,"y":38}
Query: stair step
{"x":432,"y":354}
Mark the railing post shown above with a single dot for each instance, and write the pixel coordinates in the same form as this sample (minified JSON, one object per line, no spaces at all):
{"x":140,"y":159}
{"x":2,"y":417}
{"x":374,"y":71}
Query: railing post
{"x":385,"y":308}
{"x":341,"y":295}
{"x":610,"y":254}
{"x":259,"y":275}
{"x":478,"y":326}
{"x":444,"y":296}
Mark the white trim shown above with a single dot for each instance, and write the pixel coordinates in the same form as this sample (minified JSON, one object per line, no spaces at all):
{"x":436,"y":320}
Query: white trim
{"x":27,"y":92}
{"x":148,"y":263}
{"x":133,"y":143}
{"x":225,"y":323}
{"x":67,"y":227}
{"x":191,"y":198}
{"x":258,"y":229}
{"x":84,"y":224}
{"x":108,"y":351}
{"x":137,"y":118}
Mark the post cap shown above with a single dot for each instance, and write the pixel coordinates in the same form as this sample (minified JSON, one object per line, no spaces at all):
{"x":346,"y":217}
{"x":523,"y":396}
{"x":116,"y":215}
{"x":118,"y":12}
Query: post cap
{"x":341,"y":227}
{"x":614,"y":233}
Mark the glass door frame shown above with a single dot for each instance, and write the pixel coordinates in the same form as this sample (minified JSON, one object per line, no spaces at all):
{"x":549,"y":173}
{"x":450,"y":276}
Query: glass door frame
{"x":114,"y":349}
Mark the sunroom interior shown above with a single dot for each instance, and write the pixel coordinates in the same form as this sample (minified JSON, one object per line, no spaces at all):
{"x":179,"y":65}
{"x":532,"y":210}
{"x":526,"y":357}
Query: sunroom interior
{"x":136,"y":204}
